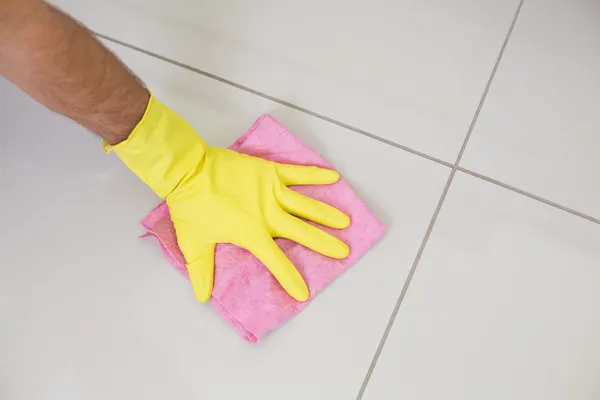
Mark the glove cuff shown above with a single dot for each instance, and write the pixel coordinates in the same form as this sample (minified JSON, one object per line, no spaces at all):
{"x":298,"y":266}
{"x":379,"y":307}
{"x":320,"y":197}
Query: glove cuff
{"x":162,"y":149}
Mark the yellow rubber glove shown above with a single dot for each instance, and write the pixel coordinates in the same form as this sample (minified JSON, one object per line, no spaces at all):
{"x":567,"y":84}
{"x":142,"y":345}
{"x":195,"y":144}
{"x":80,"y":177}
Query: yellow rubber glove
{"x":217,"y":195}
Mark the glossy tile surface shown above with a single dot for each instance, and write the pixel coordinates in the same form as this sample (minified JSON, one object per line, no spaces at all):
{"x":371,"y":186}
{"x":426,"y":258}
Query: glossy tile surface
{"x":539,"y":127}
{"x":503,"y":301}
{"x":503,"y":305}
{"x":409,"y":71}
{"x":91,"y":311}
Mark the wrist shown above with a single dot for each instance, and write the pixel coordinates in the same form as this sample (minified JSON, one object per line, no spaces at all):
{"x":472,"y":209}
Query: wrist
{"x":130,"y":118}
{"x":162,"y":148}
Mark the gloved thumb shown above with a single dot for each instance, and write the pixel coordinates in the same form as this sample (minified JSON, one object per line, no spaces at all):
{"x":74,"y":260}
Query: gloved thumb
{"x":202,"y":270}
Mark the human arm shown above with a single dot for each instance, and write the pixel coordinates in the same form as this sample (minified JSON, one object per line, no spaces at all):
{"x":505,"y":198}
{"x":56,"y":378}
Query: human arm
{"x":58,"y":62}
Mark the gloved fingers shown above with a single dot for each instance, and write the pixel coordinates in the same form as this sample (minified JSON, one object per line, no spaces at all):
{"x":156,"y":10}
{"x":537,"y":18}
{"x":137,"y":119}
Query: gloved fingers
{"x":311,"y":209}
{"x":302,"y":175}
{"x":267,"y":251}
{"x":312,"y":237}
{"x":202,"y":271}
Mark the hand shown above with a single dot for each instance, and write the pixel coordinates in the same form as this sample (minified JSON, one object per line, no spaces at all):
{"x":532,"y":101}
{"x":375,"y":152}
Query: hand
{"x":220,"y":196}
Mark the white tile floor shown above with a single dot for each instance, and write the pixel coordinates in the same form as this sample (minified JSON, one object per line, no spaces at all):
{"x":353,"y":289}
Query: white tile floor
{"x":503,"y":300}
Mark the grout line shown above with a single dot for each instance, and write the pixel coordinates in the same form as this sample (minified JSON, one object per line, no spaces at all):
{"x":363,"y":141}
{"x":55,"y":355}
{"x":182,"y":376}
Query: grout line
{"x":360,"y":131}
{"x":277,"y":100}
{"x":530,"y":195}
{"x":436,"y":213}
{"x":367,"y":134}
{"x":407,"y":282}
{"x":488,"y":85}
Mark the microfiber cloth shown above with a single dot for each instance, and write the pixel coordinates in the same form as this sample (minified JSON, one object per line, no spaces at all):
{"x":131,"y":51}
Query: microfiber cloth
{"x":245,"y":293}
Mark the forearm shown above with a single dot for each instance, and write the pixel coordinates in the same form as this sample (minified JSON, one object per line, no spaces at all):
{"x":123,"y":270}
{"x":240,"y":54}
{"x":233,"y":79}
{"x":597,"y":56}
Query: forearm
{"x":63,"y":66}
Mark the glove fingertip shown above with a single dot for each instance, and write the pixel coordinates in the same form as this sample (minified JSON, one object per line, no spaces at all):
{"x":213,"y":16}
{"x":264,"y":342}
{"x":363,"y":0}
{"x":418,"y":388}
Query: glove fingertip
{"x":202,"y":294}
{"x":328,"y":176}
{"x":201,"y":275}
{"x":342,"y":251}
{"x":202,"y":297}
{"x":302,"y":297}
{"x":201,"y":291}
{"x":341,"y":221}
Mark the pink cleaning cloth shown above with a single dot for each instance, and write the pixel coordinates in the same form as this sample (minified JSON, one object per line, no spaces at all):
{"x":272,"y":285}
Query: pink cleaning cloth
{"x":245,"y":293}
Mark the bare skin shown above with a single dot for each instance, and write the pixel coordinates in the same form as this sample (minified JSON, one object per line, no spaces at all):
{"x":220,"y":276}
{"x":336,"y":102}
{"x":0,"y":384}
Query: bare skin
{"x":58,"y":62}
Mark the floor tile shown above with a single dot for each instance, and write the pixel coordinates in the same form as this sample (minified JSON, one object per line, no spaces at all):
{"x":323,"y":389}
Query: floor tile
{"x":90,"y":311}
{"x":503,"y":305}
{"x":410,"y":71}
{"x":538,"y":129}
